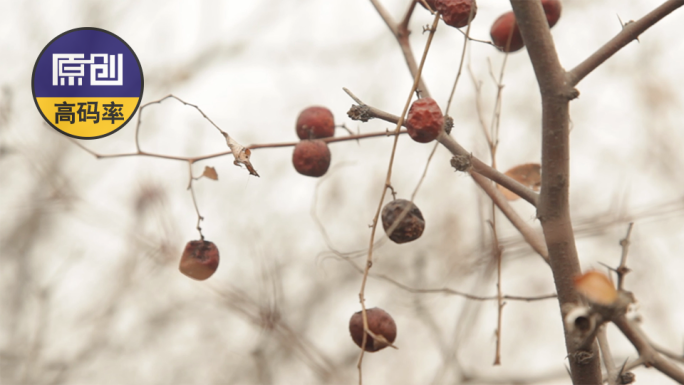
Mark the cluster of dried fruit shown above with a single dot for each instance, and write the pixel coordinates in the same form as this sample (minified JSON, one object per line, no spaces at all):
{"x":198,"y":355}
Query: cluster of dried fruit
{"x":504,"y":32}
{"x":311,"y":156}
{"x":402,"y":220}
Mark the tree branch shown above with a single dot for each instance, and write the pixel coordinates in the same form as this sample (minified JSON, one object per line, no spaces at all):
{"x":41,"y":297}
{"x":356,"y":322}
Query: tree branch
{"x":401,"y":33}
{"x":553,"y":208}
{"x":365,"y":112}
{"x":646,"y":351}
{"x":630,"y":31}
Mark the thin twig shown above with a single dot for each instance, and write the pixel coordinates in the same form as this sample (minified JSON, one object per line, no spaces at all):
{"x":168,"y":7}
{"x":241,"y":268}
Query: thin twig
{"x":496,"y":250}
{"x":622,"y":270}
{"x":402,"y":37}
{"x":194,"y":201}
{"x":460,"y":64}
{"x":450,"y":291}
{"x":369,"y":261}
{"x":608,"y":362}
{"x":224,"y":153}
{"x":646,"y":351}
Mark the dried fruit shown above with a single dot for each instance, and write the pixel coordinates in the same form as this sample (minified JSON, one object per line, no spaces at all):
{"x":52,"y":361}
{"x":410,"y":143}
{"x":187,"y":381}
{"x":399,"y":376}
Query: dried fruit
{"x":315,"y":123}
{"x":311,"y":157}
{"x":200,"y":260}
{"x":456,"y":12}
{"x":380,"y":323}
{"x":410,"y":227}
{"x":552,"y":9}
{"x":425,"y":120}
{"x":504,"y":29}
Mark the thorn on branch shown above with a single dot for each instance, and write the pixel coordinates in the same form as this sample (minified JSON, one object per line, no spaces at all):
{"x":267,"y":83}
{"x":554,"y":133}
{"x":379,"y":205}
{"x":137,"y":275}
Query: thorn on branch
{"x":623,"y":25}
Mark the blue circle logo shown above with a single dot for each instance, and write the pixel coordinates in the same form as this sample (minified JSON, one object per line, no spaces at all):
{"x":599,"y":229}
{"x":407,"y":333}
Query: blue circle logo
{"x":87,"y":83}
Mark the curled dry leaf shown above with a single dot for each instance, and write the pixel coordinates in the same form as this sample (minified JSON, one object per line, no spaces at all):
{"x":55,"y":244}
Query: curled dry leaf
{"x":241,"y":154}
{"x":210,"y":172}
{"x":596,"y":287}
{"x":528,"y":174}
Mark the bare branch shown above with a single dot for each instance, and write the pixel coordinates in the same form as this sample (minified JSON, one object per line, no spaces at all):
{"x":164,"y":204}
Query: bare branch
{"x":450,"y":143}
{"x":630,"y":31}
{"x":402,"y":38}
{"x":608,"y":361}
{"x":622,"y":270}
{"x":646,"y":351}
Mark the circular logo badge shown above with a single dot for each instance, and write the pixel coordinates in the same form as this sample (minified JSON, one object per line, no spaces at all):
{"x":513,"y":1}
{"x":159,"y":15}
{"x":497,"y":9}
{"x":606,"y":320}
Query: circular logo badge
{"x":87,"y":83}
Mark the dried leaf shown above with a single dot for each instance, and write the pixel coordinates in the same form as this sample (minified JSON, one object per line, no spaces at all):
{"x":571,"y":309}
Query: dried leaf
{"x":528,"y":174}
{"x":241,"y":154}
{"x":596,"y":287}
{"x":210,"y":173}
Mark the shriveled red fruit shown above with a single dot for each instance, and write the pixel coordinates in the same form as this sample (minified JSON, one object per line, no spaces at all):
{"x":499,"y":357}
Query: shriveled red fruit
{"x":315,"y":123}
{"x":379,"y":322}
{"x":311,"y":157}
{"x":431,"y":3}
{"x":503,"y":29}
{"x":425,"y":120}
{"x":552,"y":9}
{"x":200,"y":260}
{"x":410,"y":227}
{"x":456,"y":12}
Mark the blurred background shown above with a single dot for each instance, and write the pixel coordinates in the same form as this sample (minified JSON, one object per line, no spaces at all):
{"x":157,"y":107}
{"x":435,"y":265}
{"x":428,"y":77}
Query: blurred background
{"x":90,"y":291}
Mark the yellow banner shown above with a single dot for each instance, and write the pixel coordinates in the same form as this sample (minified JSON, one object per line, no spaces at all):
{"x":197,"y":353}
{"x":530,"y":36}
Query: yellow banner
{"x":87,"y":117}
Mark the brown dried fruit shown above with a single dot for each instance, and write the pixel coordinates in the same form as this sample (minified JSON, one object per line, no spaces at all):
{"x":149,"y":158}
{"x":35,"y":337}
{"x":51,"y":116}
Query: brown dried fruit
{"x":200,"y":260}
{"x":528,"y":174}
{"x":411,"y":226}
{"x":552,"y":9}
{"x":380,"y":323}
{"x":315,"y":123}
{"x":503,"y":29}
{"x":311,"y":157}
{"x":456,"y":12}
{"x":425,"y":120}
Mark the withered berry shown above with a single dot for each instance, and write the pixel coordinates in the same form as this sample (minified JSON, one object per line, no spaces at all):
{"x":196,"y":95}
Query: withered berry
{"x":410,"y":227}
{"x":380,"y":323}
{"x":200,"y":260}
{"x":315,"y":123}
{"x":311,"y":157}
{"x":503,"y":29}
{"x":425,"y":120}
{"x":456,"y":12}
